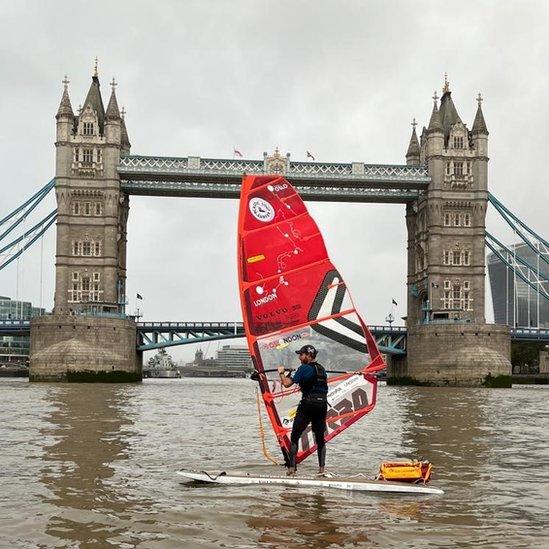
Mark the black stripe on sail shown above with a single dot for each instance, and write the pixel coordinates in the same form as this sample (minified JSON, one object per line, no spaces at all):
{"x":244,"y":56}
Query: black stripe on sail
{"x":340,"y":338}
{"x":353,"y":326}
{"x":322,"y":294}
{"x":340,"y":295}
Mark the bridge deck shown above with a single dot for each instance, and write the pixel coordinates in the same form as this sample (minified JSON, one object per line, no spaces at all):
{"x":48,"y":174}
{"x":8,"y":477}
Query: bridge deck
{"x":221,"y":178}
{"x":153,"y":335}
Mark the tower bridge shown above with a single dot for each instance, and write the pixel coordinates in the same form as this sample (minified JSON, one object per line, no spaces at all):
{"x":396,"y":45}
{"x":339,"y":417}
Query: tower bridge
{"x":443,"y":187}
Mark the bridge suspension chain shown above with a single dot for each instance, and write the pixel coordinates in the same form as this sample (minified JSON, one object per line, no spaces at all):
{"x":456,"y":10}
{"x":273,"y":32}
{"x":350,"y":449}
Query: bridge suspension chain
{"x":534,"y":241}
{"x":519,"y":266}
{"x":13,"y":249}
{"x":22,"y":212}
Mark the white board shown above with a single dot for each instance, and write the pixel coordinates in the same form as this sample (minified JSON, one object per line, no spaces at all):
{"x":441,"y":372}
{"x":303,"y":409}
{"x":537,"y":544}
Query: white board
{"x":358,"y":483}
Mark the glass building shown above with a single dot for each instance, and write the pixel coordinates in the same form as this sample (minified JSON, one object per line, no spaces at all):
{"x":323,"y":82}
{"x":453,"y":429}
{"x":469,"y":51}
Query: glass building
{"x":15,"y":349}
{"x":515,"y":302}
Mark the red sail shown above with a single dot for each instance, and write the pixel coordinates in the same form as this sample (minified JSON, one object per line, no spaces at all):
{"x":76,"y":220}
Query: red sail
{"x":291,"y":295}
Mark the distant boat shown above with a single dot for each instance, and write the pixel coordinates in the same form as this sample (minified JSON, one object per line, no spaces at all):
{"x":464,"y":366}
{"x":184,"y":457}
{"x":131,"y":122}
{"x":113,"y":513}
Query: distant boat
{"x":161,"y":365}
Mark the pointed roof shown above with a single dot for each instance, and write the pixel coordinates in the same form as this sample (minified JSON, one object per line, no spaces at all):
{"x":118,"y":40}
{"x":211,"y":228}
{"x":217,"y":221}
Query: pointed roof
{"x":479,"y":125}
{"x":435,"y":123}
{"x":448,"y":113}
{"x":95,"y":101}
{"x":113,"y":112}
{"x":65,"y":107}
{"x":413,"y":147}
{"x":124,"y":139}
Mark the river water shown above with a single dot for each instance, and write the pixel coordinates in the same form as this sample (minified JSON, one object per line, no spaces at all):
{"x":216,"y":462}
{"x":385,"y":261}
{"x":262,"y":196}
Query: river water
{"x":94,"y":466}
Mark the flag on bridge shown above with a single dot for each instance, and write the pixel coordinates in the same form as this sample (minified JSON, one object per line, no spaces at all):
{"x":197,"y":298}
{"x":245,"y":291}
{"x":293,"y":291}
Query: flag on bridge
{"x":394,"y":302}
{"x":139,"y":296}
{"x":236,"y":152}
{"x":309,"y":155}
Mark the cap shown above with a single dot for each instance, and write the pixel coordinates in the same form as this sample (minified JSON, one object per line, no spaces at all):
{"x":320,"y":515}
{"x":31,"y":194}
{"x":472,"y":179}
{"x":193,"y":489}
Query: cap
{"x":308,"y":350}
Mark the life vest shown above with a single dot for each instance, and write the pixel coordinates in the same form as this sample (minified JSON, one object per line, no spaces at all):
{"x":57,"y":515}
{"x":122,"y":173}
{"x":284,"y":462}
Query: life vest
{"x":315,"y":388}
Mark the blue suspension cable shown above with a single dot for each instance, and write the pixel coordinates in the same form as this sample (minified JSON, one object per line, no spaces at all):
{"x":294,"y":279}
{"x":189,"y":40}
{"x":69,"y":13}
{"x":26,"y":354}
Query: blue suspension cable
{"x":38,"y":197}
{"x":40,"y":194}
{"x":30,"y":243}
{"x":29,"y":232}
{"x":541,"y":290}
{"x":518,"y":258}
{"x":512,"y":220}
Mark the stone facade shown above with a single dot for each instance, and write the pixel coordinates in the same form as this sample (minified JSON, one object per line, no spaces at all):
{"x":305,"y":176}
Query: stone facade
{"x":446,"y":252}
{"x":90,"y":267}
{"x":86,"y":348}
{"x":455,"y":354}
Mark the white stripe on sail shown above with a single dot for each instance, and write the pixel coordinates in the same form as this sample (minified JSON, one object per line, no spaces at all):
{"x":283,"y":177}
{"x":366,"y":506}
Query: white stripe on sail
{"x":335,"y":326}
{"x":327,"y":304}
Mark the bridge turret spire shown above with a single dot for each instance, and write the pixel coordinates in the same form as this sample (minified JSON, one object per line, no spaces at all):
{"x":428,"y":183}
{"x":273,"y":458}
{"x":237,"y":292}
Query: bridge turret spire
{"x":124,"y":139}
{"x":448,"y":112}
{"x":435,"y":123}
{"x":413,"y":153}
{"x":95,"y":101}
{"x":113,"y":112}
{"x":65,"y":107}
{"x":479,"y":125}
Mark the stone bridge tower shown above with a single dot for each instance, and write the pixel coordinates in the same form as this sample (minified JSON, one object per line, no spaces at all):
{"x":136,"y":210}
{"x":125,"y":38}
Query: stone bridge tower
{"x":89,"y":312}
{"x":449,"y":341}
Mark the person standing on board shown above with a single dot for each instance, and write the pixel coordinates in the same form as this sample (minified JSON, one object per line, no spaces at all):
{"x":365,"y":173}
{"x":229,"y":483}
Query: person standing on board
{"x":313,"y":382}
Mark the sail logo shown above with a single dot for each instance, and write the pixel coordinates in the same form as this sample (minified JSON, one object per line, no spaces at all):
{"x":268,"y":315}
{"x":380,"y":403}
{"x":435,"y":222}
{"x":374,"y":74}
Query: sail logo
{"x":277,"y":188}
{"x":283,"y":342}
{"x":261,"y":209}
{"x":271,"y":314}
{"x":265,"y":299}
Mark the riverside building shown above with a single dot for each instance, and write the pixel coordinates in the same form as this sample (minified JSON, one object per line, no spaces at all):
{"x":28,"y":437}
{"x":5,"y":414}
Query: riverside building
{"x":14,"y":350}
{"x":515,"y":302}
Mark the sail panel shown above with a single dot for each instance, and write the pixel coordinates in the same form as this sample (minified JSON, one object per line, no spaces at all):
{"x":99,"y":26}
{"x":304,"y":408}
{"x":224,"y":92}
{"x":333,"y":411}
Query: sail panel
{"x":292,"y":295}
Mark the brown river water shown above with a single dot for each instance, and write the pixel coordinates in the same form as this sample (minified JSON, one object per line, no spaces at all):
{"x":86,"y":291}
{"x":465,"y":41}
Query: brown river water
{"x":94,"y":466}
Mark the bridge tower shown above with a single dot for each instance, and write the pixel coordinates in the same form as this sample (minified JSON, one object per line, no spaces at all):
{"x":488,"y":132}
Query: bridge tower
{"x":449,"y":341}
{"x":89,"y":313}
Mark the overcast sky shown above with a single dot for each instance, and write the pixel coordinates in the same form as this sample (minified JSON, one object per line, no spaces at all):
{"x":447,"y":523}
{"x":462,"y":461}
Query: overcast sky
{"x":342,"y":79}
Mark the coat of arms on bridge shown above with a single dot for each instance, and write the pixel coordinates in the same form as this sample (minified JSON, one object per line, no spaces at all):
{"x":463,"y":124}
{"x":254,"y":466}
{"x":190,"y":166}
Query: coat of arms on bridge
{"x":276,"y":163}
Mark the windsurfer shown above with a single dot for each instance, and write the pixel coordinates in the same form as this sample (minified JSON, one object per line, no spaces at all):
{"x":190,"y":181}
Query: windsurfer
{"x":313,"y":382}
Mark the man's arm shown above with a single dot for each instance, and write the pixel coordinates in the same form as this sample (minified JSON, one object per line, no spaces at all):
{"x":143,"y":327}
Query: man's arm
{"x":284,"y":379}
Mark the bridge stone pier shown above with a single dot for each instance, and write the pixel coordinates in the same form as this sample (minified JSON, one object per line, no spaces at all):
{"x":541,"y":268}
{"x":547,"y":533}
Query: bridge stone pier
{"x":443,"y":187}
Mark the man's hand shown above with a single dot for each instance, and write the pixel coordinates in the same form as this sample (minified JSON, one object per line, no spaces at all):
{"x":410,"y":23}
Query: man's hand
{"x":284,"y":379}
